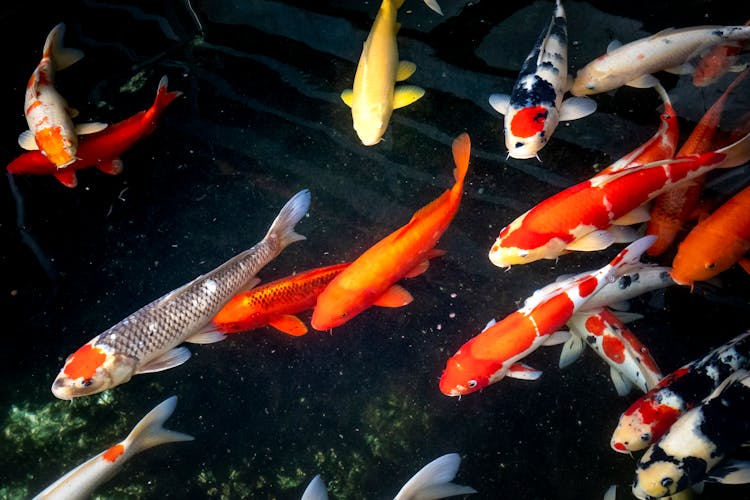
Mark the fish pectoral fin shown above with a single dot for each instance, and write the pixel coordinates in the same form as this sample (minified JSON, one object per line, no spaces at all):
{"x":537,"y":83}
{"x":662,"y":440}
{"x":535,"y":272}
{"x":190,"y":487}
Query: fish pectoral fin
{"x":170,"y":359}
{"x":523,"y":371}
{"x":395,"y":296}
{"x":591,"y":242}
{"x":731,"y":472}
{"x":348,"y":97}
{"x":635,"y":216}
{"x":571,"y":351}
{"x":682,"y":69}
{"x":643,"y":82}
{"x":26,"y":141}
{"x":206,"y":337}
{"x":574,"y":108}
{"x":744,"y":263}
{"x":500,"y":103}
{"x":623,"y":234}
{"x":67,"y":176}
{"x":111,"y":167}
{"x":289,"y":324}
{"x":90,"y":128}
{"x":557,"y":338}
{"x":405,"y":95}
{"x":405,"y":70}
{"x":622,"y":385}
{"x":424,"y":264}
{"x":65,"y":57}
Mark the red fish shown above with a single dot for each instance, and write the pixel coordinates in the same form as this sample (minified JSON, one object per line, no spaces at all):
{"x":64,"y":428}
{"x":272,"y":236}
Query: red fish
{"x":371,"y":278}
{"x":101,"y":149}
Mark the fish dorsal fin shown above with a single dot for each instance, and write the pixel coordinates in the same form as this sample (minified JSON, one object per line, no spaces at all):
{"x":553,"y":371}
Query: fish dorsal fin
{"x":574,"y":108}
{"x":405,"y":70}
{"x":170,"y":359}
{"x":395,"y":296}
{"x":90,"y":128}
{"x":500,"y":103}
{"x":27,"y":141}
{"x":67,"y":176}
{"x":613,"y":45}
{"x":404,"y":95}
{"x":289,"y":324}
{"x":348,"y":97}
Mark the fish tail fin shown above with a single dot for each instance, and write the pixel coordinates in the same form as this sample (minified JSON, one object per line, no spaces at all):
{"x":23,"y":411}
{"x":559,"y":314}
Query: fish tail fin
{"x":461,"y":151}
{"x":434,"y":480}
{"x":316,"y":490}
{"x":53,"y":49}
{"x":289,"y":216}
{"x":736,"y":153}
{"x":149,"y":432}
{"x":163,"y":98}
{"x":630,"y":256}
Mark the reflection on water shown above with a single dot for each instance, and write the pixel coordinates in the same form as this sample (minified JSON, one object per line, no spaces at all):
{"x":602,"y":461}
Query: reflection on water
{"x":260,"y":119}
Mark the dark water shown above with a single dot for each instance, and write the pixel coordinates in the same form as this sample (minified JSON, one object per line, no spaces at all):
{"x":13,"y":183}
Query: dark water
{"x":260,"y":119}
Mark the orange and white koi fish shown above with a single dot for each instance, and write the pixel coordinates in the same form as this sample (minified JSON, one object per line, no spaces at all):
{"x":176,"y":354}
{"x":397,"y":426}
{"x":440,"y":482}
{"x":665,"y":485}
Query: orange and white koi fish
{"x":632,"y":64}
{"x":275,"y":303}
{"x":587,"y":216}
{"x":101,"y":149}
{"x":81,"y":482}
{"x":716,"y":63}
{"x":374,"y":95}
{"x":51,"y":128}
{"x":535,"y":105}
{"x":496,"y":352}
{"x":147,"y":340}
{"x":370,"y":279}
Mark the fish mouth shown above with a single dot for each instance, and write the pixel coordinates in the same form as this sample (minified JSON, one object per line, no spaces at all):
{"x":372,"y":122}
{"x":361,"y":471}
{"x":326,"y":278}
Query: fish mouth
{"x":60,"y":390}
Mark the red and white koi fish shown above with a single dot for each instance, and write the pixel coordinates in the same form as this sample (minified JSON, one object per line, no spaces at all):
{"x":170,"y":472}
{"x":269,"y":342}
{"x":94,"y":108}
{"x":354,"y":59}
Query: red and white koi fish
{"x":371,"y":278}
{"x":717,"y":62}
{"x":535,"y":105}
{"x":649,"y":417}
{"x":51,"y":128}
{"x":698,"y":442}
{"x":147,"y":340}
{"x":81,"y":482}
{"x":101,"y":149}
{"x":587,"y":216}
{"x":632,"y":64}
{"x":496,"y":352}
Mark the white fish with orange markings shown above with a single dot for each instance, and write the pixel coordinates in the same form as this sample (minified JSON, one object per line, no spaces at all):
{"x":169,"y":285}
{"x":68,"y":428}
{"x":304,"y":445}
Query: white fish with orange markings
{"x":147,"y":340}
{"x":84,"y":479}
{"x":50,"y":121}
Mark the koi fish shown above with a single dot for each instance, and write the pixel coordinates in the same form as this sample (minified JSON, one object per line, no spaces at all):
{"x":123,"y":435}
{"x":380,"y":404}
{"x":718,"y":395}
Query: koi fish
{"x":81,"y":482}
{"x":672,"y":209}
{"x":639,"y":280}
{"x":146,"y":341}
{"x":496,"y":352}
{"x":632,"y":64}
{"x":697,"y":442}
{"x":717,"y":62}
{"x":101,"y":149}
{"x":587,"y":216}
{"x":716,"y":243}
{"x":374,"y":95}
{"x":276,"y":303}
{"x":370,"y":279}
{"x":649,"y":417}
{"x":535,"y":105}
{"x":51,"y":128}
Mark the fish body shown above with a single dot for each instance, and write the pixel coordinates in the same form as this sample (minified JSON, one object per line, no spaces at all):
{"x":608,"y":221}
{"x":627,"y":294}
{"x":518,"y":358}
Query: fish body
{"x":535,"y":105}
{"x":496,"y":352}
{"x":374,"y":94}
{"x":639,"y":280}
{"x":697,"y":442}
{"x":80,"y":482}
{"x":371,"y":278}
{"x":588,"y":216}
{"x":101,"y":149}
{"x":276,"y":303}
{"x":632,"y":63}
{"x":147,"y":340}
{"x":649,"y":417}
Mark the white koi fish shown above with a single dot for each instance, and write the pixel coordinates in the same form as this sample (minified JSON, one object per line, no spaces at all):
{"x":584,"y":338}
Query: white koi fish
{"x":84,"y":479}
{"x":51,"y":128}
{"x":147,"y":340}
{"x":668,"y":50}
{"x":535,"y":106}
{"x":374,"y":95}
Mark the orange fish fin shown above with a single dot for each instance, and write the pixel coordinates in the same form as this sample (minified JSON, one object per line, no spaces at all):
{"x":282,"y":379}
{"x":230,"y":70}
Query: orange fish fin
{"x":418,"y":269}
{"x":395,"y":296}
{"x":111,"y":167}
{"x":67,"y":177}
{"x":744,"y":263}
{"x":461,"y":151}
{"x":290,"y":325}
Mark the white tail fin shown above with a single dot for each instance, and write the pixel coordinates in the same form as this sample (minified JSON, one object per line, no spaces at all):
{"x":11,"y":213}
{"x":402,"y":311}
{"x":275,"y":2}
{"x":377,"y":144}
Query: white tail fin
{"x":316,"y":490}
{"x":630,"y":256}
{"x":434,"y":481}
{"x":53,"y":48}
{"x":289,"y":216}
{"x":149,"y":432}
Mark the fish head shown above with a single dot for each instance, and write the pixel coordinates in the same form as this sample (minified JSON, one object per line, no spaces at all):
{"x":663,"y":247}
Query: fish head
{"x":370,"y":122}
{"x":631,"y":434}
{"x":58,"y":147}
{"x":694,"y":263}
{"x":658,"y":478}
{"x":463,"y":375}
{"x":506,"y":256}
{"x":335,"y":306}
{"x":590,"y":80}
{"x":92,"y":369}
{"x":528,"y":129}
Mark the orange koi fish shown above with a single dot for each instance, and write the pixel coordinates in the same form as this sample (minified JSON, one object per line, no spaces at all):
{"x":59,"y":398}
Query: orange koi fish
{"x":276,"y":303}
{"x":101,"y":149}
{"x":51,"y":128}
{"x":496,"y":352}
{"x":370,"y":279}
{"x":672,"y":209}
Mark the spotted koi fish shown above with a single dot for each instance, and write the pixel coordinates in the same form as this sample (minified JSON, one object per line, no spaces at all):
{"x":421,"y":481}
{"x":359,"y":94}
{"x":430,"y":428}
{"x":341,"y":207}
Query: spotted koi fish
{"x":147,"y":340}
{"x":632,"y":64}
{"x":648,"y":418}
{"x":535,"y":105}
{"x":697,"y":442}
{"x":81,"y":482}
{"x":588,"y":215}
{"x":496,"y":352}
{"x":51,"y":128}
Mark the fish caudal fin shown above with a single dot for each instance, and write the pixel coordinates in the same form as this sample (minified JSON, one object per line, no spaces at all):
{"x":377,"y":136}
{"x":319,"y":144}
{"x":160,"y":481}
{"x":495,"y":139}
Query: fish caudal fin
{"x":434,"y":480}
{"x":53,"y":49}
{"x":149,"y":432}
{"x":289,"y":216}
{"x":316,"y":490}
{"x":461,"y":152}
{"x":736,"y":154}
{"x":163,"y":97}
{"x":630,"y":255}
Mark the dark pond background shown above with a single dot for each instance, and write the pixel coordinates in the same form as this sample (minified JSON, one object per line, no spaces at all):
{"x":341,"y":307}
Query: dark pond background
{"x":260,"y":119}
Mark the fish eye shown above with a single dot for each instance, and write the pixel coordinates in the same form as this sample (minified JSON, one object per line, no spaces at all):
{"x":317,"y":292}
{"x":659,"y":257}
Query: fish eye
{"x":667,"y":482}
{"x":519,"y":144}
{"x":646,"y":436}
{"x":87,"y":382}
{"x":523,"y":254}
{"x":591,"y":86}
{"x":710,"y":265}
{"x":472,"y":384}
